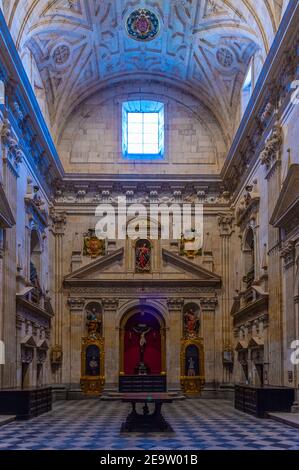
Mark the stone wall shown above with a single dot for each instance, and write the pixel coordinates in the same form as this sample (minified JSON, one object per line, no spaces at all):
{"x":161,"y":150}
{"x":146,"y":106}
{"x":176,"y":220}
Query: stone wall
{"x":91,"y":141}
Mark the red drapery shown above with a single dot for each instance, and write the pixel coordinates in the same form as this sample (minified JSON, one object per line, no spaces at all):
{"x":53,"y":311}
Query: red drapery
{"x":152,"y":355}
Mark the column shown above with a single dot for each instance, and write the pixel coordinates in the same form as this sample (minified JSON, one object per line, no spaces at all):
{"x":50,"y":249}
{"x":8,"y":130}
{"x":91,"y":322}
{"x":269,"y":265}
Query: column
{"x":174,"y":333}
{"x":111,"y":335}
{"x":212,"y":341}
{"x":11,"y":159}
{"x":295,"y":407}
{"x":77,"y":331}
{"x":271,"y":158}
{"x":225,"y":224}
{"x":58,"y":230}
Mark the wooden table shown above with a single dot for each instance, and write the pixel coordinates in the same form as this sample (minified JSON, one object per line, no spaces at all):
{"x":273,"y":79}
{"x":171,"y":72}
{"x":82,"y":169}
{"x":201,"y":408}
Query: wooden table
{"x":146,"y":422}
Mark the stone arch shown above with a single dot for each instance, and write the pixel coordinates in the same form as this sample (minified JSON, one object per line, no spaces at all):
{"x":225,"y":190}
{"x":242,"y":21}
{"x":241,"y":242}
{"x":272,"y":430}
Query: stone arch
{"x":154,"y":315}
{"x":156,"y":305}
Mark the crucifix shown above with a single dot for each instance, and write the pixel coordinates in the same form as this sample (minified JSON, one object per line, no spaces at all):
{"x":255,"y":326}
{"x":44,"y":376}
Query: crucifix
{"x":142,"y":330}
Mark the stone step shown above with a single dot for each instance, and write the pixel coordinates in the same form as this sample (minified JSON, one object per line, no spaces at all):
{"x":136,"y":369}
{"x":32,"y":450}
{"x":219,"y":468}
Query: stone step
{"x":115,"y":396}
{"x":6,"y":419}
{"x":291,"y":419}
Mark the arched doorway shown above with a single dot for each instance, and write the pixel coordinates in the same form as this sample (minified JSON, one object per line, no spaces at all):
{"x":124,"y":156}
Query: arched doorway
{"x":142,"y":344}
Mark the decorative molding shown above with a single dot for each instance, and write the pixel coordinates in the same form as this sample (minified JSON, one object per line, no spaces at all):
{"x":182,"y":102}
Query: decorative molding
{"x":110,"y":305}
{"x":248,"y":206}
{"x":271,"y":155}
{"x":225,"y":224}
{"x":58,"y":221}
{"x":175,"y":304}
{"x":209,"y":304}
{"x":76,"y":304}
{"x":272,"y":94}
{"x":35,"y":142}
{"x":287,"y":252}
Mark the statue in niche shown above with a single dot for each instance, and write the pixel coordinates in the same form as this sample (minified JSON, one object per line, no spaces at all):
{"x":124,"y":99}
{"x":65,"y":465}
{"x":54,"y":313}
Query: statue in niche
{"x":192,"y":361}
{"x":93,"y":322}
{"x":143,"y":251}
{"x":191,"y":367}
{"x":191,"y":323}
{"x":36,"y":197}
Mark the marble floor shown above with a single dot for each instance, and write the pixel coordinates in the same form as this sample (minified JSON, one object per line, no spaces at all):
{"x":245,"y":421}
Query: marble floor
{"x":198,"y":424}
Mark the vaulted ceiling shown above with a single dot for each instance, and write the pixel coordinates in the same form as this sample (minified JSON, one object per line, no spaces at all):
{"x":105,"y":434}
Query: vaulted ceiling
{"x":205,"y":46}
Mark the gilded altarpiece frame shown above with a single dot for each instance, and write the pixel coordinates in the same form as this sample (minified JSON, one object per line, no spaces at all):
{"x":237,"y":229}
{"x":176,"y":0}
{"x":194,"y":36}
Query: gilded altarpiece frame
{"x":92,"y":384}
{"x":192,"y":384}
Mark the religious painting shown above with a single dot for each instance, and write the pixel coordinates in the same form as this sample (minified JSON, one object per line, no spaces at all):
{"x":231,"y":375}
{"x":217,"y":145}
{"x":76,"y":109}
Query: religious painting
{"x":191,"y":244}
{"x":143,"y":254}
{"x":93,"y":246}
{"x":191,"y":321}
{"x":92,"y":361}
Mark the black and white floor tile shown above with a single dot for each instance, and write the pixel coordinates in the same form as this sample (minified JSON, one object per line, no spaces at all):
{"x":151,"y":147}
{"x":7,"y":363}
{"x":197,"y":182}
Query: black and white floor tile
{"x":197,"y":425}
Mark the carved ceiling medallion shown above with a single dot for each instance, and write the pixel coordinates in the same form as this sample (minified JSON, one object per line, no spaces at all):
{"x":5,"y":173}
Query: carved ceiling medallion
{"x":143,"y":25}
{"x":225,"y":57}
{"x":61,"y":54}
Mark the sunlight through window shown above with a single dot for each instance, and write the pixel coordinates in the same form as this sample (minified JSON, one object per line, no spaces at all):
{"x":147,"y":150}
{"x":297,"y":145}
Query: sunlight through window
{"x":143,"y":129}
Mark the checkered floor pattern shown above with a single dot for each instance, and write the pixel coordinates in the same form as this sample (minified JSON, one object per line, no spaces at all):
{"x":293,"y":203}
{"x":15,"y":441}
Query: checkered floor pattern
{"x":198,"y":425}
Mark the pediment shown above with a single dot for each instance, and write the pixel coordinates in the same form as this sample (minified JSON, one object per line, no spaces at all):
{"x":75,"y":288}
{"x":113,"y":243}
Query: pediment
{"x":288,"y":202}
{"x":190,"y":267}
{"x":107,"y":270}
{"x":90,"y":270}
{"x":241,"y":345}
{"x":28,"y":341}
{"x":42,"y":344}
{"x":256,"y":342}
{"x":6,"y":216}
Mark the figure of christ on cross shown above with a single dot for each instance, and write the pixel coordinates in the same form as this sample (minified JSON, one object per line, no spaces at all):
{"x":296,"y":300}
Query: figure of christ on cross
{"x":142,"y":331}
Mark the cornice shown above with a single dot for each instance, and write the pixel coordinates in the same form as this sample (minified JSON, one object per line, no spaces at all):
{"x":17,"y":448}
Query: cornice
{"x":23,"y":112}
{"x":272,"y":94}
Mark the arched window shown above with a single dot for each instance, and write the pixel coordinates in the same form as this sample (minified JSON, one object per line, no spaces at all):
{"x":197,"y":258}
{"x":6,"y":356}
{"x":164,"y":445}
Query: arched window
{"x":143,"y":129}
{"x":2,"y":93}
{"x":35,"y":265}
{"x":247,"y":88}
{"x":249,"y":257}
